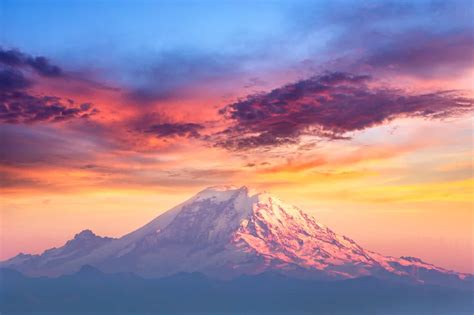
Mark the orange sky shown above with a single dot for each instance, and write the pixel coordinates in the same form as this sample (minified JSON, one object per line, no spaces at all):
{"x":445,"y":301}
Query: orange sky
{"x":361,"y":116}
{"x":412,"y":196}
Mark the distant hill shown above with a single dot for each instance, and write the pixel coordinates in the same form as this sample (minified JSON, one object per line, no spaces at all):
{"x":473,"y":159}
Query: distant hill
{"x":89,"y":291}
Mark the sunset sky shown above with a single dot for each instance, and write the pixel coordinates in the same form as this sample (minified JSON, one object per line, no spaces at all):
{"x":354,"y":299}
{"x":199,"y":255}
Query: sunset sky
{"x":358,"y":112}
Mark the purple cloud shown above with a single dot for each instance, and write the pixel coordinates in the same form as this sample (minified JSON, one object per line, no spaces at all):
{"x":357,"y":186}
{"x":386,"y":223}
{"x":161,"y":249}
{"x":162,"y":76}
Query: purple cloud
{"x":21,"y":107}
{"x":328,"y":106}
{"x":416,"y":38}
{"x":12,"y":79}
{"x":17,"y":105}
{"x":169,"y":130}
{"x":40,"y":64}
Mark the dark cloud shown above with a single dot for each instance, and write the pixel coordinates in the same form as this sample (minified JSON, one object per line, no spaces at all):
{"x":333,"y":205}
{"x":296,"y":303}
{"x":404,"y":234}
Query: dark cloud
{"x":43,"y":67}
{"x":21,"y":107}
{"x":328,"y":106}
{"x":169,"y":130}
{"x":18,"y":105}
{"x":40,"y":64}
{"x":12,"y":57}
{"x":12,"y":79}
{"x":254,"y":83}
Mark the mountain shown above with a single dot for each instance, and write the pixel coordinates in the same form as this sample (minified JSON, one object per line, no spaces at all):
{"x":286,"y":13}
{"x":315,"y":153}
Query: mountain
{"x":226,"y":232}
{"x":81,"y":245}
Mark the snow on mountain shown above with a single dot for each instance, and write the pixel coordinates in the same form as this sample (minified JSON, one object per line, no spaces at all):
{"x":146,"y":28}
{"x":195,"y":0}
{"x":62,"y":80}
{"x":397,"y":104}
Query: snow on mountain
{"x":225,"y":232}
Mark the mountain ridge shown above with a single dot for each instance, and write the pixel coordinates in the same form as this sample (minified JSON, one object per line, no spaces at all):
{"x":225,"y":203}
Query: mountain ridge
{"x":90,"y":291}
{"x":227,"y":231}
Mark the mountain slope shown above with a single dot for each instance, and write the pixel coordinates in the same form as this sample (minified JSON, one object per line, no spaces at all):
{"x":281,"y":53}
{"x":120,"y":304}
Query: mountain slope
{"x":81,"y":245}
{"x":226,"y":232}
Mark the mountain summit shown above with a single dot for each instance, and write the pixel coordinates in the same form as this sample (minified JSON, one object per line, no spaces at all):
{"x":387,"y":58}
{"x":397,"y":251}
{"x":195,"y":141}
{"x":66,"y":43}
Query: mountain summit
{"x":226,"y":232}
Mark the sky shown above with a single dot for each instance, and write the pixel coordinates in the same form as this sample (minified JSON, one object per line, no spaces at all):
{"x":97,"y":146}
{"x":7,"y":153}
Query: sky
{"x":358,"y":112}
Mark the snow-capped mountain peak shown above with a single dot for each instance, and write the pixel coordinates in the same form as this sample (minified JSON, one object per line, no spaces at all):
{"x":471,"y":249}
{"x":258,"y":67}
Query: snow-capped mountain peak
{"x":226,"y":231}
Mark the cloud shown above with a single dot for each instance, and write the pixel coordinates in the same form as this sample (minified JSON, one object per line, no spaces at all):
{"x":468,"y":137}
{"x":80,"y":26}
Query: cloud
{"x":169,"y":130}
{"x":40,"y":64}
{"x":334,"y":160}
{"x":13,"y":180}
{"x":295,"y":166}
{"x":12,"y":79}
{"x":417,"y":38}
{"x":35,"y":145}
{"x":329,"y":106}
{"x":426,"y":53}
{"x":43,"y":67}
{"x":20,"y":107}
{"x":209,"y":174}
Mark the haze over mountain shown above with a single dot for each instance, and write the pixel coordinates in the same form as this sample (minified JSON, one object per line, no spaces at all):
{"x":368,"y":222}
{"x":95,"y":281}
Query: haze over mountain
{"x":226,"y":232}
{"x":89,"y":291}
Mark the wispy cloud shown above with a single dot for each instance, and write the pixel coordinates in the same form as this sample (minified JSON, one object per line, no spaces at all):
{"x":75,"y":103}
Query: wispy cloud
{"x":169,"y":130}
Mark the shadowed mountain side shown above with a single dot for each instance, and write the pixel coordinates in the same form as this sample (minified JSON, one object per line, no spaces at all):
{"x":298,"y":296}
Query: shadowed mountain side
{"x":93,"y":292}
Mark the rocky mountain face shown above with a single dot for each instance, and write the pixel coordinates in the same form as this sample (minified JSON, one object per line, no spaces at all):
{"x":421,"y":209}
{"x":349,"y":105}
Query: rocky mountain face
{"x":225,"y":232}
